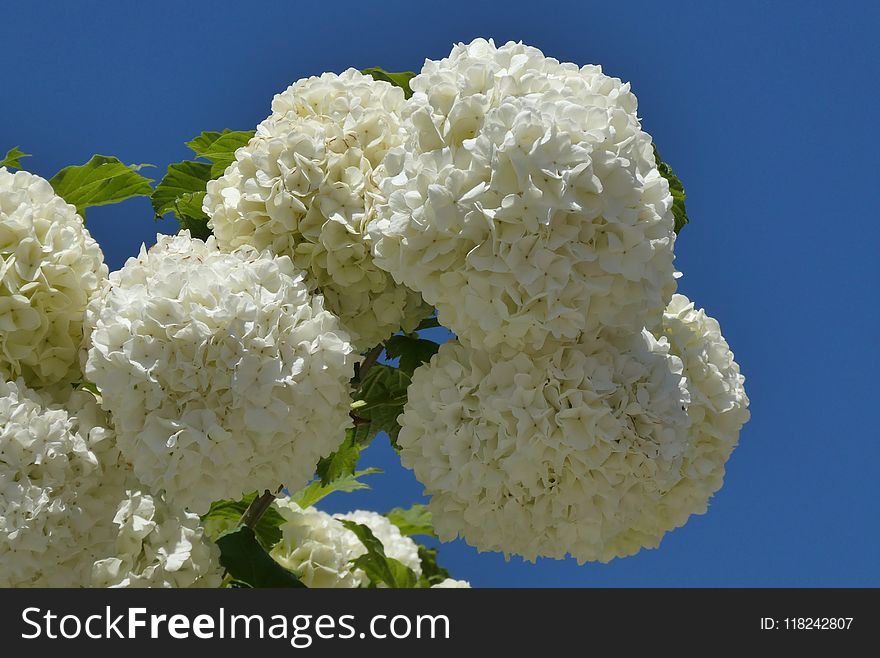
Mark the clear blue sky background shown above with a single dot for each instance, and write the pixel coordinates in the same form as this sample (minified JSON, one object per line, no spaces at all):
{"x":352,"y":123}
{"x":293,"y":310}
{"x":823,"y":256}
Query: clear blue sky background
{"x":767,"y":111}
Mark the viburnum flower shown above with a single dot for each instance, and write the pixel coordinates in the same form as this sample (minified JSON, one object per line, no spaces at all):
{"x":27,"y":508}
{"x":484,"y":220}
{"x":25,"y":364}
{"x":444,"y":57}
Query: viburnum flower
{"x":526,"y":203}
{"x":157,"y":546}
{"x":319,"y":549}
{"x":546,"y":454}
{"x":49,"y":269}
{"x":718,"y":410}
{"x":304,"y":186}
{"x":451,"y":583}
{"x":60,"y":481}
{"x":222,"y":373}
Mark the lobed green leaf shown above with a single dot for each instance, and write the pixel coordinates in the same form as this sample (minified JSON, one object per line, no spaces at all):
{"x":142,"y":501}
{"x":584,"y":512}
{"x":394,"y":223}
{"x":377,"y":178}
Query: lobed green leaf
{"x":379,"y":568}
{"x":413,"y":521}
{"x":676,"y":189}
{"x":400,"y":79}
{"x":246,"y":561}
{"x":12,"y":159}
{"x":100,"y":181}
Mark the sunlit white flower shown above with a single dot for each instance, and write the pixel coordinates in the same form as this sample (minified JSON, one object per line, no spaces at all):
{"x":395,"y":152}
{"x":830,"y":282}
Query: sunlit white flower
{"x":49,"y":269}
{"x":451,"y":583}
{"x":223,"y":374}
{"x":304,"y":187}
{"x":319,"y":549}
{"x":546,"y":454}
{"x":60,"y":481}
{"x":718,"y":410}
{"x":157,"y":546}
{"x":526,"y":203}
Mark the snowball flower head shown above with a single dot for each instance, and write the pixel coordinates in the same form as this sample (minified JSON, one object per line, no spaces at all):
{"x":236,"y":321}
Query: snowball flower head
{"x":304,"y":187}
{"x":718,"y":410}
{"x":546,"y":454}
{"x":223,"y":374}
{"x":158,"y":546}
{"x":59,"y":484}
{"x":49,"y":269}
{"x":527,"y":202}
{"x":319,"y":549}
{"x":451,"y":583}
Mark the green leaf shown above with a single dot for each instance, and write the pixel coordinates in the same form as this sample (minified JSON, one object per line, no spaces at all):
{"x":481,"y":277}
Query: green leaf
{"x":342,"y":462}
{"x":100,"y":181}
{"x":400,"y":79}
{"x":429,"y":323}
{"x":384,"y":392}
{"x":413,"y":521}
{"x":676,"y":189}
{"x":412,"y":350}
{"x":379,"y":568}
{"x":13,"y":157}
{"x":315,"y":491}
{"x":181,"y":192}
{"x":182,"y":189}
{"x":225,"y":514}
{"x":432,"y":573}
{"x":247,"y":562}
{"x":219,"y":148}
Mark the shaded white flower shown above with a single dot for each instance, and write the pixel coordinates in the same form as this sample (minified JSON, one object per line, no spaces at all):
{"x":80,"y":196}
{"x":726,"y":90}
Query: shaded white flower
{"x":60,"y":481}
{"x":223,"y":374}
{"x":526,"y":203}
{"x":157,"y":546}
{"x":546,"y":454}
{"x":451,"y":583}
{"x":718,"y":410}
{"x":304,"y":186}
{"x":49,"y":269}
{"x":319,"y":549}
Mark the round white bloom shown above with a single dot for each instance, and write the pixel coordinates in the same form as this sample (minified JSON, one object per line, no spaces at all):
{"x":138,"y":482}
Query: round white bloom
{"x":396,"y":545}
{"x":49,"y":269}
{"x":60,"y":481}
{"x":527,"y":201}
{"x":223,"y":374}
{"x":158,"y":546}
{"x":451,"y":583}
{"x":718,"y":410}
{"x":304,"y":187}
{"x":548,"y":454}
{"x":317,"y":547}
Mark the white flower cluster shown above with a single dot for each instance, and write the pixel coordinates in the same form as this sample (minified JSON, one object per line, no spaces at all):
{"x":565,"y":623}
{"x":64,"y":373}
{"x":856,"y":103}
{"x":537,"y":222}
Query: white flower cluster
{"x":549,"y":453}
{"x":718,"y":410}
{"x":59,"y":484}
{"x":157,"y":546}
{"x":319,"y":549}
{"x":451,"y":583}
{"x":304,"y":187}
{"x":526,"y":203}
{"x":527,"y":206}
{"x":222,"y":373}
{"x":49,"y":269}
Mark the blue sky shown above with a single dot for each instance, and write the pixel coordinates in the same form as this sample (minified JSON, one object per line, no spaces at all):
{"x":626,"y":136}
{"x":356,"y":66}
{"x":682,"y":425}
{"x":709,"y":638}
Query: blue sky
{"x":766,"y":112}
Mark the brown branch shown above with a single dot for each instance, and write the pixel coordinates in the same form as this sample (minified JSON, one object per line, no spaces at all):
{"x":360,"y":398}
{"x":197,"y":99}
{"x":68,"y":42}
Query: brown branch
{"x":258,"y":507}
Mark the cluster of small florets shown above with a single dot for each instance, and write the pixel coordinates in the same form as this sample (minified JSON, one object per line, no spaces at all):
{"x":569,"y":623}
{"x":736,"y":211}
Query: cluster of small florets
{"x":527,"y":206}
{"x":319,"y":549}
{"x":213,"y":363}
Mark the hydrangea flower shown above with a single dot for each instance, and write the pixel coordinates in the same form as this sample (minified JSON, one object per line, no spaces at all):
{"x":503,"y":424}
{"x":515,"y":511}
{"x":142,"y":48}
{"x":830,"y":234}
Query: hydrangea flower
{"x":49,"y":269}
{"x":551,"y":453}
{"x":222,"y":373}
{"x":304,"y":187}
{"x":60,"y":480}
{"x":317,"y":547}
{"x":718,"y":410}
{"x":158,"y":546}
{"x":526,"y":203}
{"x":451,"y":583}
